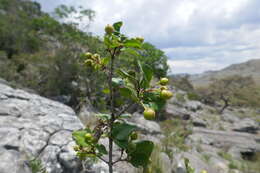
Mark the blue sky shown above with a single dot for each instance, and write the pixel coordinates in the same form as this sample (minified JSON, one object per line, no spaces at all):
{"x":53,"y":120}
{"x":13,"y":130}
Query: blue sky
{"x":196,"y":35}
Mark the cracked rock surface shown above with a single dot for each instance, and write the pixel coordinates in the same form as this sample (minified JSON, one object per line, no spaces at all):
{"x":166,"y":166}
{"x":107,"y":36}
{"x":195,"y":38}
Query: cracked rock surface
{"x":35,"y":127}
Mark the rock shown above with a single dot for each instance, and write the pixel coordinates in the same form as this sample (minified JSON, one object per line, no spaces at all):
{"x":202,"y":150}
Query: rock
{"x":229,"y":117}
{"x":219,"y":164}
{"x":35,"y":127}
{"x":146,"y":126}
{"x":2,"y":81}
{"x":198,"y":122}
{"x":193,"y":105}
{"x":176,"y":111}
{"x":236,"y":142}
{"x":195,"y":162}
{"x":165,"y":163}
{"x":246,"y":125}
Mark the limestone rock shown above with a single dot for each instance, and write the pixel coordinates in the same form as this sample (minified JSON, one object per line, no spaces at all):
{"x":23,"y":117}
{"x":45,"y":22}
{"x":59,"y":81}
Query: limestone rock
{"x":35,"y":127}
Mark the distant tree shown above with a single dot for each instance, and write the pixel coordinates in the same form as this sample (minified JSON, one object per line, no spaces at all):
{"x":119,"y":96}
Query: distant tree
{"x":78,"y":17}
{"x":226,"y":89}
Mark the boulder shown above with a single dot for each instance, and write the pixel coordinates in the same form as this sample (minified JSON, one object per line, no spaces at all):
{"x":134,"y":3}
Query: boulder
{"x":195,"y":160}
{"x":237,"y":143}
{"x":35,"y":127}
{"x":193,"y":105}
{"x":172,"y":110}
{"x":246,"y":125}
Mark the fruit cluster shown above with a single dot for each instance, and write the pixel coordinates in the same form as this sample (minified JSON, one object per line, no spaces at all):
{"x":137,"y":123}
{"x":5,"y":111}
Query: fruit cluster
{"x":94,"y":60}
{"x":165,"y":94}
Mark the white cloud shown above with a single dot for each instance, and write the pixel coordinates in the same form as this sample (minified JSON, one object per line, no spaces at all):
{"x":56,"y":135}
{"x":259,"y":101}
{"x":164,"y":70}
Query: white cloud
{"x":209,"y":34}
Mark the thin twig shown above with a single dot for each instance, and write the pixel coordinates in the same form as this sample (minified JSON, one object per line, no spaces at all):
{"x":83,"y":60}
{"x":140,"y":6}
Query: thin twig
{"x":103,"y":159}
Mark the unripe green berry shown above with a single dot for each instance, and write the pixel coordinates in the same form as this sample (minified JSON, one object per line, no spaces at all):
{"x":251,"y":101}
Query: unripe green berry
{"x":164,"y":81}
{"x":88,"y":136}
{"x":109,"y":29}
{"x":166,"y":94}
{"x":149,"y":114}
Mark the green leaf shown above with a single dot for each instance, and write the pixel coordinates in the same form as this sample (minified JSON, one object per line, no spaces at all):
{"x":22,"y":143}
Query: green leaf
{"x":102,"y":149}
{"x":126,"y":75}
{"x":130,"y":51}
{"x":79,"y":137}
{"x":148,"y":73}
{"x":105,"y":60}
{"x":117,"y":26}
{"x":107,"y":41}
{"x":140,"y":156}
{"x":154,"y":100}
{"x":133,"y":43}
{"x":103,"y":116}
{"x":121,"y":132}
{"x":128,"y":93}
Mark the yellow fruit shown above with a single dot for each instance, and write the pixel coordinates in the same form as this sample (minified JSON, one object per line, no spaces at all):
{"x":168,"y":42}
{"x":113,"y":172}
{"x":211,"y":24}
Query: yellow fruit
{"x":149,"y":114}
{"x":203,"y":171}
{"x":109,"y":29}
{"x":134,"y":136}
{"x":164,"y":81}
{"x":166,"y":94}
{"x":88,"y":136}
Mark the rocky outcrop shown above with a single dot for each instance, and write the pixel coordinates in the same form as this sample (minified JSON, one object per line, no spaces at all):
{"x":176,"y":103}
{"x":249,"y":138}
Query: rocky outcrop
{"x":35,"y":127}
{"x":233,"y":142}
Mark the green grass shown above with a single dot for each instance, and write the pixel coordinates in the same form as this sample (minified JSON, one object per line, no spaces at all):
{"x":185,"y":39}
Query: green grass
{"x":206,"y":157}
{"x":175,"y":132}
{"x":225,"y":155}
{"x":36,"y":166}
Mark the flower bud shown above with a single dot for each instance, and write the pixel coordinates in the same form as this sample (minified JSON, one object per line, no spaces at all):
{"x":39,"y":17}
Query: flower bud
{"x":88,"y":55}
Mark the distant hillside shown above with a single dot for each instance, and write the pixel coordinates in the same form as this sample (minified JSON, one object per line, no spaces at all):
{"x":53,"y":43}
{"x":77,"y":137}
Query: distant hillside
{"x":249,"y":68}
